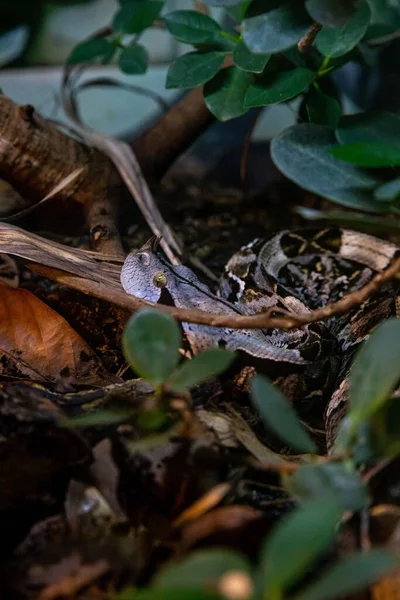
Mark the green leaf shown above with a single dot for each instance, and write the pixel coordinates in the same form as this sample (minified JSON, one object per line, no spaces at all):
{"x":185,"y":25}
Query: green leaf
{"x":224,"y":94}
{"x":279,"y":415}
{"x":89,"y":50}
{"x":133,"y":59}
{"x":99,"y":417}
{"x":369,"y":154}
{"x":301,"y":152}
{"x":294,"y":545}
{"x":247,"y":60}
{"x":278,"y":87}
{"x":333,"y":13}
{"x":350,"y":575}
{"x":389,"y":191}
{"x":375,"y":372}
{"x":191,"y":26}
{"x":108,"y":56}
{"x":337,"y":41}
{"x":385,"y":11}
{"x":333,"y":480}
{"x":273,"y":26}
{"x":172,"y":594}
{"x":203,"y":366}
{"x":201,"y":570}
{"x":134,"y":17}
{"x":193,"y":69}
{"x":238,"y":12}
{"x":151,"y":342}
{"x":321,"y":108}
{"x":369,"y":126}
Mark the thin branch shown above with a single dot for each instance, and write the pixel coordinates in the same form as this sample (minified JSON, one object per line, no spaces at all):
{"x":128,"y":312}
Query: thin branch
{"x":202,"y":8}
{"x":101,"y":217}
{"x":158,"y":147}
{"x":307,"y":40}
{"x":260,"y":321}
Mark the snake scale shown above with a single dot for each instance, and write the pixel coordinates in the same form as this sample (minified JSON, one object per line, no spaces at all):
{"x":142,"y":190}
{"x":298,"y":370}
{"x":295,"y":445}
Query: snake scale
{"x":296,"y":271}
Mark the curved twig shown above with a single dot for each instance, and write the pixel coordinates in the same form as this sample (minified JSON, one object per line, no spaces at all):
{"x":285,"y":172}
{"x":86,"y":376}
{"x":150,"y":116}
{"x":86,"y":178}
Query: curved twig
{"x":261,"y":321}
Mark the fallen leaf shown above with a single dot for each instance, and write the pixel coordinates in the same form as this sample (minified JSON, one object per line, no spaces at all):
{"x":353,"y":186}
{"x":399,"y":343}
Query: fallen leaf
{"x":236,"y":526}
{"x":77,"y":576}
{"x":38,"y":343}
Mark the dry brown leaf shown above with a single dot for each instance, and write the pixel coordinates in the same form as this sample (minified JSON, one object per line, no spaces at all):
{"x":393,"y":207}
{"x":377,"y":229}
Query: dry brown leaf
{"x":38,"y":343}
{"x":388,"y":588}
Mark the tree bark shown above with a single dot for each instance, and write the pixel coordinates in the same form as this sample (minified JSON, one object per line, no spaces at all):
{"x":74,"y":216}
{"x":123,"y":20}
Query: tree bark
{"x":157,"y":148}
{"x":36,"y":156}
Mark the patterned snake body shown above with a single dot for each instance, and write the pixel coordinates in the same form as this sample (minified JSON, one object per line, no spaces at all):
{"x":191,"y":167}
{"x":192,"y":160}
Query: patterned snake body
{"x":295,"y":271}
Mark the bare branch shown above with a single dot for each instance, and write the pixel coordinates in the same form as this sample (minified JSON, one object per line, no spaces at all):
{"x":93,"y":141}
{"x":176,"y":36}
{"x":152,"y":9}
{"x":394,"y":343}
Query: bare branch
{"x":307,"y":40}
{"x":261,"y":321}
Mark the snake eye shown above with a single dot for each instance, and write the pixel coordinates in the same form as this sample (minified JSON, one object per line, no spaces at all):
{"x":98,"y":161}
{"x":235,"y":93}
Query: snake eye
{"x":144,"y":258}
{"x":160,"y":280}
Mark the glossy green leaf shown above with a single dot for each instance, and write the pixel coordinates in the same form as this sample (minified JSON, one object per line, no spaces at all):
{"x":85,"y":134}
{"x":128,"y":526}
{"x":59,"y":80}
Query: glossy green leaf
{"x":376,"y":371}
{"x":321,"y":108}
{"x":108,"y":56}
{"x":294,"y":545}
{"x":272,"y":26}
{"x":329,"y":480}
{"x":151,"y":342}
{"x":238,"y":11}
{"x":134,"y":17}
{"x":247,"y":60}
{"x":200,"y":570}
{"x":279,"y":415}
{"x":172,"y":594}
{"x":389,"y":191}
{"x":296,"y":58}
{"x":369,"y":154}
{"x":337,"y":41}
{"x":369,"y":126}
{"x":385,"y":11}
{"x":350,"y":575}
{"x":89,"y":50}
{"x":301,"y":152}
{"x":203,"y":366}
{"x":333,"y":13}
{"x":191,"y":26}
{"x":278,"y":87}
{"x":193,"y":69}
{"x":133,"y":59}
{"x":224,"y":95}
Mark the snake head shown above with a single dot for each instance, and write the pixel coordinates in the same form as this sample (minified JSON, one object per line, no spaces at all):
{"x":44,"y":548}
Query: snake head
{"x":143,"y":273}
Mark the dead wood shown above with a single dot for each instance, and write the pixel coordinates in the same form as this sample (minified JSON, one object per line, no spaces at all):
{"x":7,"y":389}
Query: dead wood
{"x":36,"y":155}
